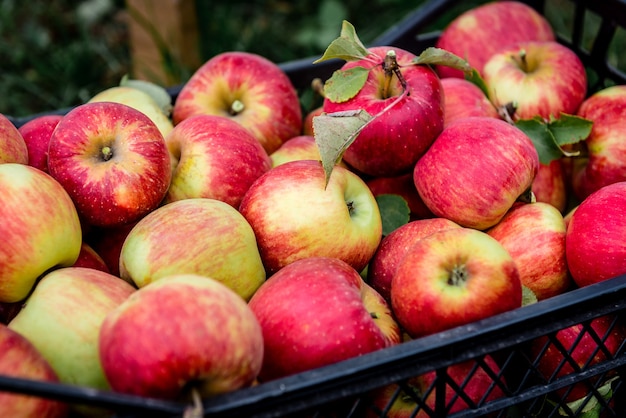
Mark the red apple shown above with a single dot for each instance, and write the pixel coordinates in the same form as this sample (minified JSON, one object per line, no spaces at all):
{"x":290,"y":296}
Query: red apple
{"x":213,"y":157}
{"x":595,"y":246}
{"x":36,"y":133}
{"x":475,"y":382}
{"x":88,"y":257}
{"x":403,"y":186}
{"x":581,"y":347}
{"x":40,"y":229}
{"x":22,"y":360}
{"x":248,"y":88}
{"x":181,"y":334}
{"x":464,"y":98}
{"x":453,"y":277}
{"x":395,"y":246}
{"x":12,"y":145}
{"x":479,"y":32}
{"x":112,"y":160}
{"x":108,"y":242}
{"x":392,"y":143}
{"x":541,"y":79}
{"x":200,"y":236}
{"x":476,"y":170}
{"x":550,"y":185}
{"x":605,"y":146}
{"x":295,"y":215}
{"x":534,"y":235}
{"x":318,"y":311}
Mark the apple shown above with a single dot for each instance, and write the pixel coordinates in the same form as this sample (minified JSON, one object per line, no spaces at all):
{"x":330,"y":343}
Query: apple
{"x":62,"y":319}
{"x":479,"y":32}
{"x":40,"y":229}
{"x":551,"y":185}
{"x":475,"y":382}
{"x":464,"y":98}
{"x":213,"y":157}
{"x":318,"y":311}
{"x":476,"y":170}
{"x":582,"y":348}
{"x":391,"y":143}
{"x":36,"y":133}
{"x":534,"y":235}
{"x":107,"y":242}
{"x":20,"y":359}
{"x":12,"y":145}
{"x":294,"y":214}
{"x":112,"y":160}
{"x":403,"y":186}
{"x":395,"y":246}
{"x":595,"y":248}
{"x":540,"y":78}
{"x":453,"y":277}
{"x":137,"y":99}
{"x":604,"y":146}
{"x":200,"y":236}
{"x":88,"y":257}
{"x":183,"y":333}
{"x":248,"y":88}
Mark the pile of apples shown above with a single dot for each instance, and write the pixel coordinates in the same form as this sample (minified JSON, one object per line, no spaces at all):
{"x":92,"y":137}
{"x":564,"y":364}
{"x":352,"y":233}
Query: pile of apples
{"x":187,"y":249}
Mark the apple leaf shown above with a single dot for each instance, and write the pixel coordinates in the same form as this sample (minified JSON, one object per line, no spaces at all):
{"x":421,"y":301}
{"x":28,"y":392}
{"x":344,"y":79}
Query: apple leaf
{"x":334,"y":132}
{"x":528,"y":296}
{"x":537,"y":130}
{"x":439,"y":56}
{"x":591,"y":407}
{"x":345,"y":84}
{"x":158,"y":93}
{"x":570,"y":129}
{"x":347,"y":46}
{"x":394,"y":211}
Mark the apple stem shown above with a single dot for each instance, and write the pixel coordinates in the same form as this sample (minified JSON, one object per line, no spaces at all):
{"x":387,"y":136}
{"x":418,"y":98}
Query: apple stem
{"x":391,"y":67}
{"x":236,"y":107}
{"x":107,"y":153}
{"x":522,"y":60}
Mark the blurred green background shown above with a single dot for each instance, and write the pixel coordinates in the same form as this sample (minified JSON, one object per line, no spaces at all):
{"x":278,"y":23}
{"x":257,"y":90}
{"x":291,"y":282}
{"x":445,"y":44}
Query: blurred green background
{"x":56,"y":54}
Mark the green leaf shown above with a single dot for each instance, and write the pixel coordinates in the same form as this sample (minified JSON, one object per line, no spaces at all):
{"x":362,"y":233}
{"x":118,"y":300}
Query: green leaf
{"x":439,"y":56}
{"x":537,"y":130}
{"x":347,"y":46}
{"x":570,"y":129}
{"x":394,"y":211}
{"x":475,"y":77}
{"x":528,"y":296}
{"x":334,"y":132}
{"x":345,"y":84}
{"x":158,"y":93}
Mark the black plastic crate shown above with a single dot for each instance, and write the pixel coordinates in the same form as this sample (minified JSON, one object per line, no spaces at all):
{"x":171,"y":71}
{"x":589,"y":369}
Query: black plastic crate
{"x":346,"y":389}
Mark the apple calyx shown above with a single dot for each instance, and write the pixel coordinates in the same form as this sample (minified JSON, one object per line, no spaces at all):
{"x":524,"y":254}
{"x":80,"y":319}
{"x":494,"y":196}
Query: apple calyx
{"x":458,"y":276}
{"x":236,"y":107}
{"x":106,"y":153}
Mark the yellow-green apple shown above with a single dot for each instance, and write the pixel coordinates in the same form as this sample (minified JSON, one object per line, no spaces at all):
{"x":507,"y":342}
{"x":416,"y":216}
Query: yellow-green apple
{"x":248,"y":88}
{"x":595,"y":248}
{"x":295,"y":215}
{"x":476,"y":170}
{"x":476,"y":383}
{"x":36,"y":133}
{"x":392,"y":142}
{"x":20,"y":359}
{"x":453,"y":277}
{"x":395,"y":246}
{"x":12,"y":145}
{"x":40,"y":229}
{"x":107,"y":242}
{"x":200,"y":236}
{"x":62,"y":319}
{"x":464,"y":98}
{"x":551,"y":186}
{"x":403,"y":186}
{"x":534,"y":235}
{"x":583,"y":348}
{"x":181,"y":334}
{"x":139,"y":100}
{"x":213,"y":157}
{"x":318,"y":311}
{"x":88,"y":257}
{"x":539,"y":78}
{"x":603,"y":163}
{"x":112,"y":160}
{"x":479,"y":32}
